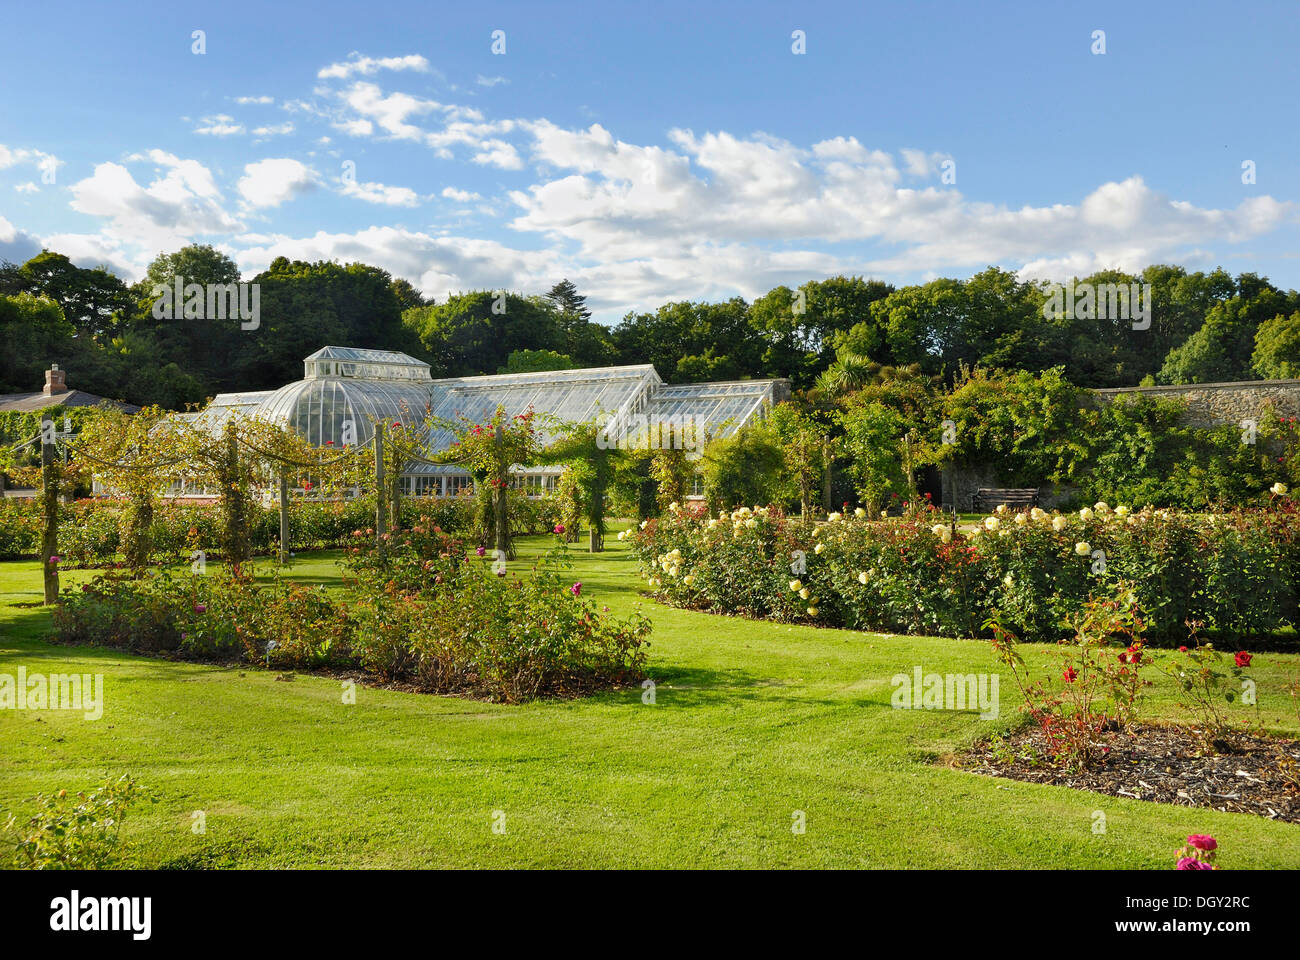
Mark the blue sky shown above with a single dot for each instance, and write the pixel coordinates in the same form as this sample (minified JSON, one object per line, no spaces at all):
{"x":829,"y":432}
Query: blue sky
{"x":655,"y":151}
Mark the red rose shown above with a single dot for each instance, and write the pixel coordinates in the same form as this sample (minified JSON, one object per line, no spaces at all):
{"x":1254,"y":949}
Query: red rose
{"x":1242,"y":658}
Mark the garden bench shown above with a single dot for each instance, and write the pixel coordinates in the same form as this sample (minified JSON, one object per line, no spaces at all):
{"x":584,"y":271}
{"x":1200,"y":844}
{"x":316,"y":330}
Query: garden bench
{"x":986,"y":498}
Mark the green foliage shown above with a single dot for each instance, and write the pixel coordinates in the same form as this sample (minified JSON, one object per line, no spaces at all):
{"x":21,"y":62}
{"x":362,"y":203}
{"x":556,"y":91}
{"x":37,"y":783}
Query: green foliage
{"x":78,"y":832}
{"x":535,"y":361}
{"x":1277,"y":348}
{"x":35,"y":332}
{"x":745,"y":467}
{"x":1029,"y":429}
{"x":1140,"y":452}
{"x":474,"y":333}
{"x":1221,"y":349}
{"x":90,"y":530}
{"x":424,"y":613}
{"x":1037,"y":572}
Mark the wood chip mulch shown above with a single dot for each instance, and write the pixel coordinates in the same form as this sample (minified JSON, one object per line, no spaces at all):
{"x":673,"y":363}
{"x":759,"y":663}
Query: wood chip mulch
{"x":1163,"y":764}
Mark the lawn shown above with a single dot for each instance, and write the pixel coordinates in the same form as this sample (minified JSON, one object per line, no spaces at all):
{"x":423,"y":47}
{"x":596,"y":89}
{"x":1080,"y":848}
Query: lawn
{"x":752,"y":722}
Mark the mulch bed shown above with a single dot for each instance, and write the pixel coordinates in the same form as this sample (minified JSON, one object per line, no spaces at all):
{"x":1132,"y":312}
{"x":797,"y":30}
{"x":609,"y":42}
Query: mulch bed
{"x":1163,"y":764}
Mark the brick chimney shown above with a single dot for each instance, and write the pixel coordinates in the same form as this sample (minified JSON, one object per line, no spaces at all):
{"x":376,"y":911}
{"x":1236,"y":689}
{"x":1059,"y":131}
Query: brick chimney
{"x":55,"y":381}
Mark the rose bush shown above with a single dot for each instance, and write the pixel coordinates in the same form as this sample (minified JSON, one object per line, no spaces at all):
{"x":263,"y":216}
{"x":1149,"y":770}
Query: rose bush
{"x":1236,"y":572}
{"x":425,"y":613}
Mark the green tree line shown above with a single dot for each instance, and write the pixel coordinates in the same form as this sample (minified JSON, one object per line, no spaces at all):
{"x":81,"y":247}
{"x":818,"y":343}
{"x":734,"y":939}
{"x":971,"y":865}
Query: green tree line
{"x":835,"y":334}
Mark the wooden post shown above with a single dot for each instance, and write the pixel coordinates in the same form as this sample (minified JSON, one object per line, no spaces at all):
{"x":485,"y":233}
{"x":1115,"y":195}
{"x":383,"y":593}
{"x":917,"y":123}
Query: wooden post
{"x":499,"y":502}
{"x":50,"y":505}
{"x":284,"y":516}
{"x":396,"y":484}
{"x":826,"y":484}
{"x":381,"y":507}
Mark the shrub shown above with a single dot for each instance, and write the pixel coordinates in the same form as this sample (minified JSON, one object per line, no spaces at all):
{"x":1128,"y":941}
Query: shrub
{"x":1235,"y":572}
{"x":82,"y":832}
{"x":1098,"y":681}
{"x":425,"y":613}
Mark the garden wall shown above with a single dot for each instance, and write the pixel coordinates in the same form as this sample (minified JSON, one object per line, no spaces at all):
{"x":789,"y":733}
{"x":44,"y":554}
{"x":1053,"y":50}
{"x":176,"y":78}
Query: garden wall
{"x":1208,"y":405}
{"x":1211,"y":404}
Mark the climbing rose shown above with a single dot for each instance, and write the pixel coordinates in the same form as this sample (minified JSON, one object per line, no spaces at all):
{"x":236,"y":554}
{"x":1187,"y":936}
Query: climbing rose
{"x":1203,"y":841}
{"x":576,"y":588}
{"x":1191,"y":863}
{"x":559,"y":528}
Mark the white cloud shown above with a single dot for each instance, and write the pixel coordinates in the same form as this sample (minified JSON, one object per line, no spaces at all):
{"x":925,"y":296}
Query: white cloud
{"x":434,"y":264}
{"x":460,"y":196}
{"x":219,"y":125}
{"x":269,"y":183}
{"x":483,"y":81}
{"x":47,"y":163}
{"x":17,"y":246}
{"x":28,"y":187}
{"x":381,"y":194}
{"x":246,"y":101}
{"x":273,"y":130}
{"x":365,"y":66}
{"x":180,"y":205}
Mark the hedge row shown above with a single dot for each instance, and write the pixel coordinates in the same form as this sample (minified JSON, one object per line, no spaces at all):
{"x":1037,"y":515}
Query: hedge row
{"x":1236,"y":572}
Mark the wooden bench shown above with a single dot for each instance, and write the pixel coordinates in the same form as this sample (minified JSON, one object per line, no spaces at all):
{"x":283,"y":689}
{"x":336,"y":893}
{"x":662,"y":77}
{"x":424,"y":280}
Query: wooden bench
{"x":987,"y":498}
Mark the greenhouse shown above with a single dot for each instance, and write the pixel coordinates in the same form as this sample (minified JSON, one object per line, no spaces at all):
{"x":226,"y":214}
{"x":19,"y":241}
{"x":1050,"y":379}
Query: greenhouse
{"x":345,"y":390}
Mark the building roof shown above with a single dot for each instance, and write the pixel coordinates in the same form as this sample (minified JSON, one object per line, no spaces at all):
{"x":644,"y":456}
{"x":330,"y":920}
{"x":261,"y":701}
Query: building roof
{"x":31,"y":402}
{"x":357,"y":386}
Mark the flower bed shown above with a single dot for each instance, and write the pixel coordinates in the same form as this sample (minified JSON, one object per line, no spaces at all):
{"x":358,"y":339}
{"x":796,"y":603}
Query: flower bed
{"x":1235,"y":572}
{"x":427,"y":616}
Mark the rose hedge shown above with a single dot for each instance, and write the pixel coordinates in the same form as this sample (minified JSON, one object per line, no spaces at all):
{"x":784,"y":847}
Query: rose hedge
{"x":428,"y":615}
{"x":1235,"y":572}
{"x":89,"y":530}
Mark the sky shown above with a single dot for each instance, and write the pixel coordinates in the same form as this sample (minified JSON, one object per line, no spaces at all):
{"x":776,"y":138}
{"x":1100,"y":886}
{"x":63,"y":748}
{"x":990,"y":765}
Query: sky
{"x":655,"y":151}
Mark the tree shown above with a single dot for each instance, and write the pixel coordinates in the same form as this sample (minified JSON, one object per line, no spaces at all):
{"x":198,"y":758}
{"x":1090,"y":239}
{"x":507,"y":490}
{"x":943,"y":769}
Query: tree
{"x":1277,"y":348}
{"x":307,"y":305}
{"x":801,"y":330}
{"x":95,"y":301}
{"x":1221,"y":349}
{"x":568,"y":301}
{"x":536,"y":361}
{"x":593,"y":464}
{"x":475,"y":333}
{"x":803,"y":444}
{"x":406,"y":294}
{"x":34,"y":332}
{"x":744,"y":468}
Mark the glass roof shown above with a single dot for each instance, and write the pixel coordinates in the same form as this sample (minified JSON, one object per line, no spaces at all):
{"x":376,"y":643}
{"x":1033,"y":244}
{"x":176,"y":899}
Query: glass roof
{"x":358,"y":385}
{"x":357,"y":363}
{"x":320,"y":410}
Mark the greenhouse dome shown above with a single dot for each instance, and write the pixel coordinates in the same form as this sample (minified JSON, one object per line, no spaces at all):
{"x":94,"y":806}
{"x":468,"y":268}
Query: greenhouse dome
{"x":343,"y":385}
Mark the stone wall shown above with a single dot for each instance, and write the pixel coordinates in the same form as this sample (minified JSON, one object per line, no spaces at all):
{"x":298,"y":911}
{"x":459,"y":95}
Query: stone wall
{"x":1208,"y":405}
{"x":1212,"y":404}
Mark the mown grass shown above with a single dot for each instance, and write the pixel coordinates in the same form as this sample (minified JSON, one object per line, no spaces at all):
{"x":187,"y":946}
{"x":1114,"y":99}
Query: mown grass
{"x":752,"y":722}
